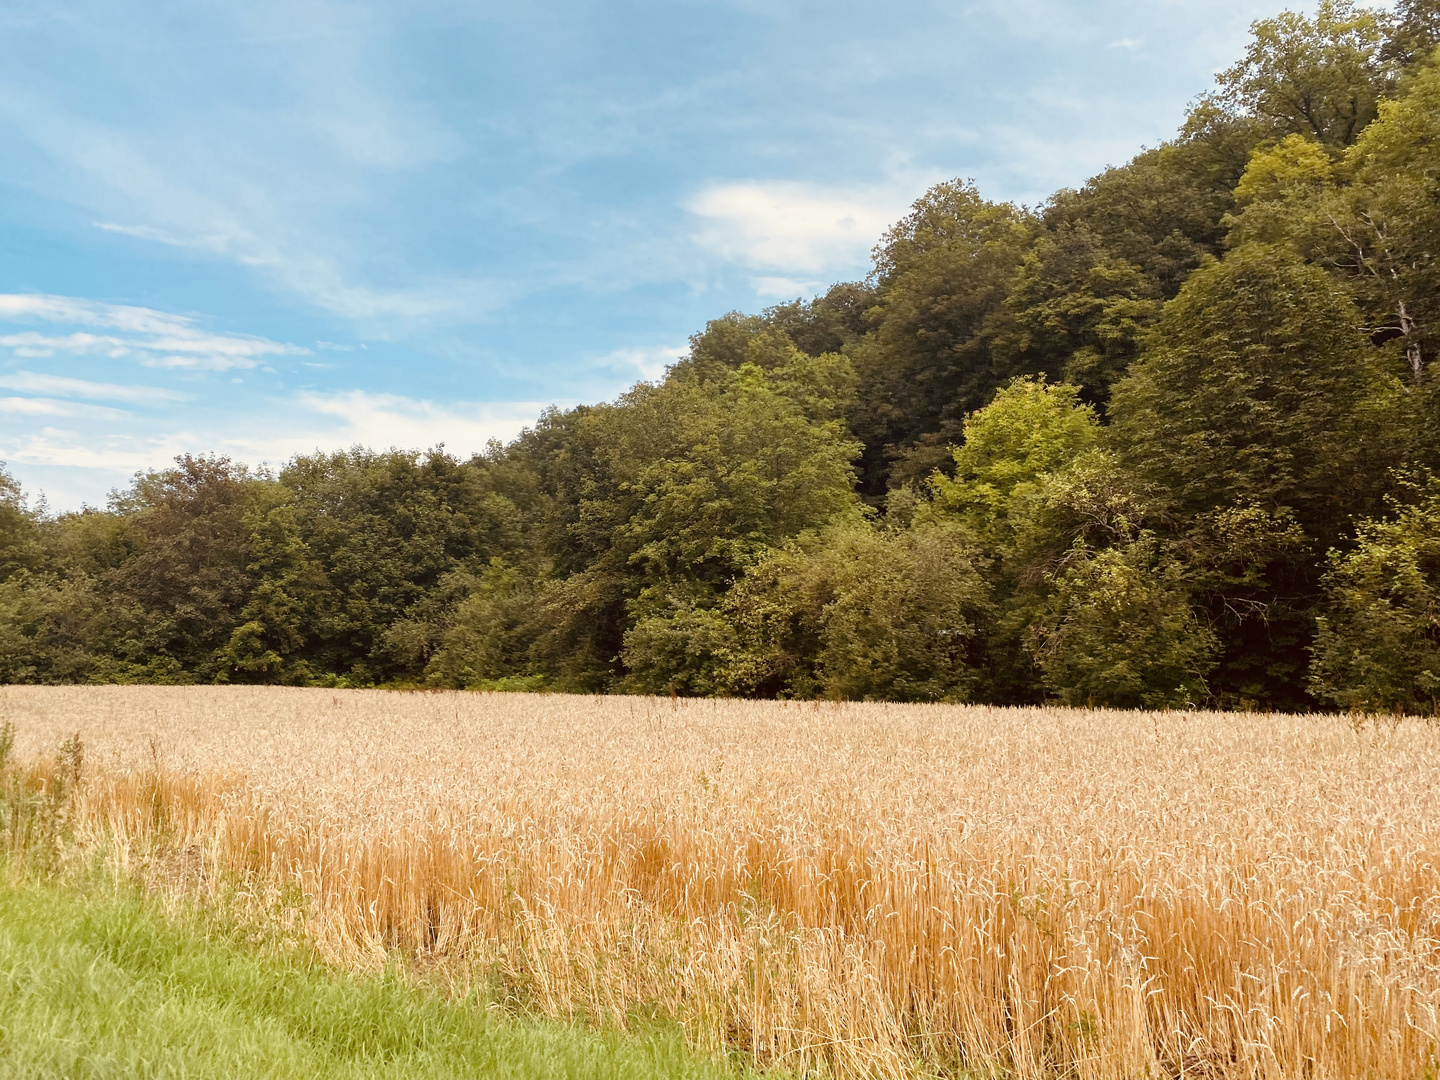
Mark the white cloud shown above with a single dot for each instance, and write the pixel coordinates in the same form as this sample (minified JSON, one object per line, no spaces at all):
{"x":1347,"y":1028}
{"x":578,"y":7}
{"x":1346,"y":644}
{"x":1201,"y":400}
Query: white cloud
{"x":792,"y":227}
{"x":436,"y":301}
{"x":650,"y":361}
{"x":52,"y":446}
{"x":160,"y":236}
{"x":28,"y":406}
{"x":384,"y":420}
{"x":784,"y":288}
{"x":306,"y":273}
{"x":321,"y":422}
{"x":1125,"y":43}
{"x":66,"y":387}
{"x":88,"y":460}
{"x":150,"y":337}
{"x":56,"y":428}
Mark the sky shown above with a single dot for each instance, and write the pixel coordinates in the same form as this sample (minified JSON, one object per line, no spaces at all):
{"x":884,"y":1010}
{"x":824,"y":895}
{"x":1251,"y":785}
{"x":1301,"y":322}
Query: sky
{"x":280,"y":226}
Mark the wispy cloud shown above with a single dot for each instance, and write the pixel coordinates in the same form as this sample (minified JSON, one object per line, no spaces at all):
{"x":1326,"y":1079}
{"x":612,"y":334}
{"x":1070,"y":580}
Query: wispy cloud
{"x":430,"y":302}
{"x":149,"y":337}
{"x":109,"y":452}
{"x":160,"y":236}
{"x":791,"y":227}
{"x":383,"y":420}
{"x":650,"y":361}
{"x":33,"y":406}
{"x":784,"y":288}
{"x":1125,"y":43}
{"x":57,"y":447}
{"x":319,"y":278}
{"x":216,"y":196}
{"x":62,"y":386}
{"x":91,"y":434}
{"x":51,"y":406}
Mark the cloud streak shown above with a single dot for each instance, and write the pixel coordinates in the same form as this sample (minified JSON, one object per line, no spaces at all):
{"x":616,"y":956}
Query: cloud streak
{"x":793,"y":227}
{"x":95,"y":447}
{"x":649,"y":361}
{"x":93,"y":433}
{"x":392,"y":420}
{"x":144,"y":335}
{"x":63,"y":386}
{"x":33,"y":406}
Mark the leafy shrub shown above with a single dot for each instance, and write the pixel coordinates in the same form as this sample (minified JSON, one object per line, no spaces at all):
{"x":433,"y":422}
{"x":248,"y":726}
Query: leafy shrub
{"x":1119,"y":631}
{"x":863,"y":614}
{"x":1378,"y":648}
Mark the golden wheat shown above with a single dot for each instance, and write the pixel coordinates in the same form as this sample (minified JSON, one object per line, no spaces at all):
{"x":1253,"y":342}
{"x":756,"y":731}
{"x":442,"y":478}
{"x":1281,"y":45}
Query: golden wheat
{"x":863,"y":889}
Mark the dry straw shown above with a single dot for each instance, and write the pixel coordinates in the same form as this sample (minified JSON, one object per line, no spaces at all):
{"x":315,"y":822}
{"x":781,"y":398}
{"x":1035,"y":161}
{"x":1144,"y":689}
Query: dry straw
{"x":860,"y":889}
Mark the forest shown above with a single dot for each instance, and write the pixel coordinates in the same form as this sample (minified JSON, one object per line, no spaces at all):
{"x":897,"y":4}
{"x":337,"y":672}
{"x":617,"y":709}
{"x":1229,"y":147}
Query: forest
{"x":1169,"y":440}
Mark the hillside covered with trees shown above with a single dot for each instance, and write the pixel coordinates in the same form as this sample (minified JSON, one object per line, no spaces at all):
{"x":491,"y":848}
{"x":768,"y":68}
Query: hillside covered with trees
{"x":1168,"y":439}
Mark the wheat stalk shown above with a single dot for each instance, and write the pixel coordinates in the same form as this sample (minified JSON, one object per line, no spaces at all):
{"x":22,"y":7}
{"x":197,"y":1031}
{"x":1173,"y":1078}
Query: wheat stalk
{"x":863,"y":889}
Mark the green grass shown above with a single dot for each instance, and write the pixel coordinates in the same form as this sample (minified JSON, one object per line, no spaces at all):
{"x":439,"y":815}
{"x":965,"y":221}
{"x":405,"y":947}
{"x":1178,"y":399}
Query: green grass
{"x":102,"y":985}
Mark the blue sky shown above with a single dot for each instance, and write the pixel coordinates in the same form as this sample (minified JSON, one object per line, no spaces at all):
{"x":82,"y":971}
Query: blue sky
{"x":264,"y":228}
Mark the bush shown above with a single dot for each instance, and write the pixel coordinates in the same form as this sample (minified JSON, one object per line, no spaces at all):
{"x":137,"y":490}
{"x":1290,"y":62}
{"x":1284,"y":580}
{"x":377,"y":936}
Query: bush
{"x":1378,"y":647}
{"x":49,"y":628}
{"x":1119,"y":631}
{"x":490,"y":635}
{"x":678,"y":649}
{"x":863,"y":615}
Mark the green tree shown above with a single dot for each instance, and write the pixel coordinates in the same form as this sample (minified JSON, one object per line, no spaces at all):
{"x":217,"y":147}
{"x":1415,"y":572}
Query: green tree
{"x":1031,"y":429}
{"x":1119,"y":631}
{"x":676,"y":646}
{"x":1378,"y":647}
{"x":383,"y":530}
{"x":1076,"y":312}
{"x":823,"y":325}
{"x":1414,"y":34}
{"x":281,"y":608}
{"x":19,"y":539}
{"x":1047,"y":502}
{"x":777,"y":615}
{"x":1322,"y":78}
{"x":721,"y":347}
{"x":827,"y":323}
{"x":863,"y":614}
{"x":1370,"y":218}
{"x":89,"y":542}
{"x":1258,"y":394}
{"x":1258,"y":388}
{"x":664,"y":499}
{"x":707,"y":480}
{"x":905,"y":626}
{"x":1390,"y":239}
{"x":1296,"y":165}
{"x":52,"y":629}
{"x":488,"y":640}
{"x":57,"y":623}
{"x":1289,"y":196}
{"x":188,"y":567}
{"x":1164,"y":211}
{"x":942,"y":274}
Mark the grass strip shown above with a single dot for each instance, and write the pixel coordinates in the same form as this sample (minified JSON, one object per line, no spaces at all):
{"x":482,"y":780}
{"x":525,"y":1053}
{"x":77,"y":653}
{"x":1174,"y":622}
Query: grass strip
{"x":101,"y":984}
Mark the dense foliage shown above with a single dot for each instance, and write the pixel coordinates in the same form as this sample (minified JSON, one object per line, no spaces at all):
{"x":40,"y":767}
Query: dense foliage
{"x":1163,"y":441}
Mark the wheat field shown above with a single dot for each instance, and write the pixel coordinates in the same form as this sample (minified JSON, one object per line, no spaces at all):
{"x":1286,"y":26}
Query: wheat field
{"x":837,"y":889}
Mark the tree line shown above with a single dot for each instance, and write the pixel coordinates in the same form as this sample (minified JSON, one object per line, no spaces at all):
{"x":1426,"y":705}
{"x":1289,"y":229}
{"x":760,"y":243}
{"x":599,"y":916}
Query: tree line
{"x":1169,"y":439}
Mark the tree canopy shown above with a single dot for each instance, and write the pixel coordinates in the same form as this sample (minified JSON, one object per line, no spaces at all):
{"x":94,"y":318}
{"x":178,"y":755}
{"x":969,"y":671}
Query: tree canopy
{"x":1168,"y":439}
